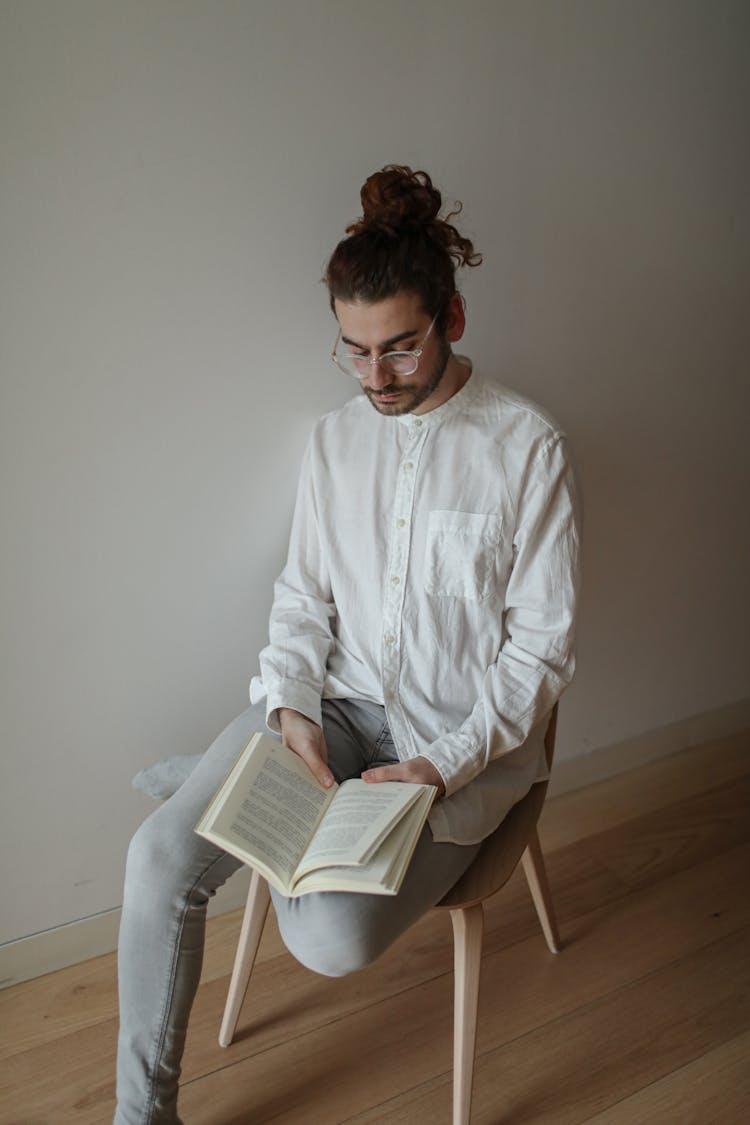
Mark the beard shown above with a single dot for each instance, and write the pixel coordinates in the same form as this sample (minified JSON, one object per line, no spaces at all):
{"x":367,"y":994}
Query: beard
{"x":411,"y":395}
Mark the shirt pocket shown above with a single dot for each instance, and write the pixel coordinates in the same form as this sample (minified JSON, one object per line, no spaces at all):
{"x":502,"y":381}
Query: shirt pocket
{"x":461,"y":554}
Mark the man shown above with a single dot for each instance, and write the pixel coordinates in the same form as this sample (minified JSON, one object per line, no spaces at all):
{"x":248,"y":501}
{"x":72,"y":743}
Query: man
{"x":422,"y":628}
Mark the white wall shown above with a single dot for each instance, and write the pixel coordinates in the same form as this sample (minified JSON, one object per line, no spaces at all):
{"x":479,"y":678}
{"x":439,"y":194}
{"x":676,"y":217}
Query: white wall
{"x":173,"y":177}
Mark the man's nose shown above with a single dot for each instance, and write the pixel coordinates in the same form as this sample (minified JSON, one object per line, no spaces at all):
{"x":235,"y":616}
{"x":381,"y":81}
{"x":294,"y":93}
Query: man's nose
{"x":377,"y":377}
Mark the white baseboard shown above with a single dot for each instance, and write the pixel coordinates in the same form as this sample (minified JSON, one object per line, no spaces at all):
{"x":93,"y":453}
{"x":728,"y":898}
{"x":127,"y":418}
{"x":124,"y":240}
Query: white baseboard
{"x":649,"y":747}
{"x":57,"y":948}
{"x":85,"y":938}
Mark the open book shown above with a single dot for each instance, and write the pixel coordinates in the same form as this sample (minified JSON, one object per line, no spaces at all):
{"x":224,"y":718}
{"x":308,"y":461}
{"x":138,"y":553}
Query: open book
{"x":273,"y":815}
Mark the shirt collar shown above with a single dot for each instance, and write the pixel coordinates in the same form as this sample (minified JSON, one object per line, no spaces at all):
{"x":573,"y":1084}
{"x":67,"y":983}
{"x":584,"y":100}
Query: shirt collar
{"x":454,"y":405}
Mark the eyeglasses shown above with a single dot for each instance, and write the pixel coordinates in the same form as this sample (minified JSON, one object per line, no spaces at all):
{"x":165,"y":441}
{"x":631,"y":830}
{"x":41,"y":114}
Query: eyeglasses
{"x":392,"y":363}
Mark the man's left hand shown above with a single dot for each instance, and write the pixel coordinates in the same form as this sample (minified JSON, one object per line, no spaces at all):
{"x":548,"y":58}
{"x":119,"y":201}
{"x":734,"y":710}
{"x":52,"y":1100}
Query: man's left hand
{"x":417,"y":770}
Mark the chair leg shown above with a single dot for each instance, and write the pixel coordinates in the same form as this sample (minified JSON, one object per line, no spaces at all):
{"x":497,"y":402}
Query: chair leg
{"x":256,"y":909}
{"x":468,"y":926}
{"x":536,"y":876}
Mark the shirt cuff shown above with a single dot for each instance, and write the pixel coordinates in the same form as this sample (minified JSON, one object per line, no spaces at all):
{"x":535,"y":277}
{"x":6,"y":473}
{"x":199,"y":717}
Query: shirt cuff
{"x":456,"y":762}
{"x":291,"y":693}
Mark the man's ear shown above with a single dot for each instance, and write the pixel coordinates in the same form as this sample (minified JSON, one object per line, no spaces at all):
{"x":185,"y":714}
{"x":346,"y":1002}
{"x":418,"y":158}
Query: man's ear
{"x":455,"y":319}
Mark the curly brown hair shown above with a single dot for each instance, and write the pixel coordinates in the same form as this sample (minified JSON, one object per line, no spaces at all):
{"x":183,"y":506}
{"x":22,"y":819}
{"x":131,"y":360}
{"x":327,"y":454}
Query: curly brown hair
{"x":400,"y":244}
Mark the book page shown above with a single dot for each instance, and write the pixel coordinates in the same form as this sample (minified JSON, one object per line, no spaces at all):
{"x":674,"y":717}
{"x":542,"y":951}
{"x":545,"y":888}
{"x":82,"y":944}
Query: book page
{"x":384,"y":872}
{"x":268,"y":809}
{"x":358,"y":818}
{"x":371,"y":877}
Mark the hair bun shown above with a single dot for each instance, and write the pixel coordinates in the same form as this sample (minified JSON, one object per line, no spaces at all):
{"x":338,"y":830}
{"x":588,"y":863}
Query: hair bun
{"x":399,"y":244}
{"x":397,"y":197}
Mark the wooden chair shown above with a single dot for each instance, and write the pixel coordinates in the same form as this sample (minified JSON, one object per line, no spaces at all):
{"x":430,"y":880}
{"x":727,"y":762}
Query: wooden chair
{"x":514,"y":839}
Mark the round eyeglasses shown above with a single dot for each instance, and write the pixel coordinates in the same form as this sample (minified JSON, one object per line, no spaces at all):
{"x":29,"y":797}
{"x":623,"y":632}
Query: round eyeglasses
{"x":392,"y":363}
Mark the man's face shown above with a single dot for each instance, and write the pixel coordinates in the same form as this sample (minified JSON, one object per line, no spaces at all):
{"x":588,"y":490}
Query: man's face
{"x":399,"y":324}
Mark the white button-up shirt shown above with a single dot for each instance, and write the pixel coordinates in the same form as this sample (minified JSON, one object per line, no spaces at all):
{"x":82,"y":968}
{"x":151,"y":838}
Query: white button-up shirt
{"x":433,"y":568}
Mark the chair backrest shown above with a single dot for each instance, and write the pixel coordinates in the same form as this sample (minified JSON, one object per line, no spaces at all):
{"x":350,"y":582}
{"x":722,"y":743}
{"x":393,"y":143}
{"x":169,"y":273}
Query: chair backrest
{"x":501,"y":851}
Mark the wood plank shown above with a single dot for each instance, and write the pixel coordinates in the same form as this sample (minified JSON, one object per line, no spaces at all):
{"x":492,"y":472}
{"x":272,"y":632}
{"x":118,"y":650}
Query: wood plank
{"x":616,"y":1044}
{"x":44,"y":1009}
{"x":607,"y":804}
{"x":636,"y":854}
{"x":656,"y":844}
{"x":523,"y":987}
{"x":40,"y":1010}
{"x":303,"y":1017}
{"x":673,"y":837}
{"x":714,"y":1089}
{"x":575,"y":1066}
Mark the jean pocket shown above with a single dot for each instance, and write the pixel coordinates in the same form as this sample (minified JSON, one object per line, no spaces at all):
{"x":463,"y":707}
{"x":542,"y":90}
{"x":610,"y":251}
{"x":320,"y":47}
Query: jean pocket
{"x":461,"y":554}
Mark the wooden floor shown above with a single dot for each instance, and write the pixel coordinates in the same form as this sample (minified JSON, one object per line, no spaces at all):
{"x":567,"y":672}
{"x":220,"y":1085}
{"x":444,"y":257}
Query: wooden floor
{"x":644,"y":1016}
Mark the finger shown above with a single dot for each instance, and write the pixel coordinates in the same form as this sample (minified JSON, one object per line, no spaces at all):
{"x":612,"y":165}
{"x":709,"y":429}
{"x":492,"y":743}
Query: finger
{"x":317,"y":766}
{"x":385,"y":773}
{"x":316,"y":743}
{"x":306,"y":739}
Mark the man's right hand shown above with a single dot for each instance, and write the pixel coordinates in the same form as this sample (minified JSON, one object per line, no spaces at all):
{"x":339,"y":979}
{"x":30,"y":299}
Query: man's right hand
{"x":306,"y":738}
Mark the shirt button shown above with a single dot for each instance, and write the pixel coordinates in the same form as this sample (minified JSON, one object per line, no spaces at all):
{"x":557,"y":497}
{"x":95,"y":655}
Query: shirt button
{"x":389,"y":638}
{"x":409,"y":465}
{"x":417,"y":424}
{"x":400,"y":523}
{"x":395,"y":580}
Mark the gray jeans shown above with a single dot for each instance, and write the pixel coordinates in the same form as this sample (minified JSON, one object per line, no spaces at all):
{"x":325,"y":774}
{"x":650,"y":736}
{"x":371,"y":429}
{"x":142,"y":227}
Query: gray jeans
{"x":172,"y":873}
